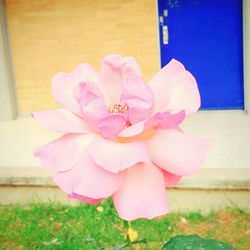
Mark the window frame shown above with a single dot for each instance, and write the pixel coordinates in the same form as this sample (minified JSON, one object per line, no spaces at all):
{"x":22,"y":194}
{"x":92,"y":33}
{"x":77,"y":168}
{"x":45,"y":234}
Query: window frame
{"x":8,"y":97}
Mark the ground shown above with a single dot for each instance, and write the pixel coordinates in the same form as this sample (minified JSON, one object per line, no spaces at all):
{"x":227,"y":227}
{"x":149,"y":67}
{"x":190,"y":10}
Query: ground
{"x":54,"y":226}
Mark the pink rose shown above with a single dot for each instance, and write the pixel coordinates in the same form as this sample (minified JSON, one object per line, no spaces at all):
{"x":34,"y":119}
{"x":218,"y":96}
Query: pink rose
{"x":121,"y":136}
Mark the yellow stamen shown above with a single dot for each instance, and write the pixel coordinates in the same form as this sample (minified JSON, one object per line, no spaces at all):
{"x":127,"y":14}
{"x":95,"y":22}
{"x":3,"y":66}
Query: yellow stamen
{"x":118,"y":108}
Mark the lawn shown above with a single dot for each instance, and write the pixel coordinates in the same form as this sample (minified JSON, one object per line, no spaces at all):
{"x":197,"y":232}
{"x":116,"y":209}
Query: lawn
{"x":54,"y":226}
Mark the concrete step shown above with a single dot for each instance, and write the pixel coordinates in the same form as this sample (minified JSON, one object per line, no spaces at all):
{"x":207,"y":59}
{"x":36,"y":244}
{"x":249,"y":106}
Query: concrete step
{"x":207,"y":190}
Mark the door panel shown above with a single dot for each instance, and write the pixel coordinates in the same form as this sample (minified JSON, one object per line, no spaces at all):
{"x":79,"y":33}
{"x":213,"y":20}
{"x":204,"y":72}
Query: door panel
{"x":206,"y":35}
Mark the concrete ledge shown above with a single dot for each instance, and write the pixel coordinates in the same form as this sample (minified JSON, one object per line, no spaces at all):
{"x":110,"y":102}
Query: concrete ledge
{"x":208,"y":179}
{"x":209,"y":189}
{"x":25,"y":176}
{"x":180,"y":200}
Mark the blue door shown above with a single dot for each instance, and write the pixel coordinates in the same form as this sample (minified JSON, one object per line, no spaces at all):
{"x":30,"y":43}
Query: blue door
{"x":206,"y":36}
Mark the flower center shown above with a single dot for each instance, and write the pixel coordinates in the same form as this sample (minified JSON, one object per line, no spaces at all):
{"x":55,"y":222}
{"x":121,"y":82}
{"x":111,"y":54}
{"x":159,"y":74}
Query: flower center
{"x":118,"y":108}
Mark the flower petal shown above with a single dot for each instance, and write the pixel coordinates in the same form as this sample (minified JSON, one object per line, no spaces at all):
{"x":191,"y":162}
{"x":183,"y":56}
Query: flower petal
{"x":139,"y":97}
{"x":111,"y":125}
{"x":85,"y":73}
{"x":133,"y":130}
{"x":63,"y":85}
{"x":84,"y":198}
{"x":61,"y":120}
{"x":142,"y":194}
{"x":115,"y":69}
{"x":89,"y":180}
{"x":163,"y":120}
{"x":115,"y":157}
{"x":175,"y":89}
{"x":92,"y":104}
{"x":63,"y":153}
{"x":94,"y":181}
{"x":176,"y":152}
{"x":171,"y":179}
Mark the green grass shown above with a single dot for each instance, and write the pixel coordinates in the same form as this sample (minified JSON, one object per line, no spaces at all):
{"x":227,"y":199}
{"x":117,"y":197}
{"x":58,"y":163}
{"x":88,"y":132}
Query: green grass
{"x":51,"y":226}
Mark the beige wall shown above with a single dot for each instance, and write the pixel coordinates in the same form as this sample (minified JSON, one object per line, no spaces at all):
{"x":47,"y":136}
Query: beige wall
{"x":48,"y":36}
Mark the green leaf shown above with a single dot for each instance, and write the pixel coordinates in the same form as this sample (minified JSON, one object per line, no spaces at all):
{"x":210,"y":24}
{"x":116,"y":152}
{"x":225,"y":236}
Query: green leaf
{"x":194,"y":242}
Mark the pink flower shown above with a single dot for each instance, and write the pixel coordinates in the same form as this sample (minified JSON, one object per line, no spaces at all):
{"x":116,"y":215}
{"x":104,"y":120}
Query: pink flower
{"x":121,"y":136}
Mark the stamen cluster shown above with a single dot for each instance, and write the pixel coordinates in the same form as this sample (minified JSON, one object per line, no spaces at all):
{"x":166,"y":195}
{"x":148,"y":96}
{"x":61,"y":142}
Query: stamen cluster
{"x":118,"y":108}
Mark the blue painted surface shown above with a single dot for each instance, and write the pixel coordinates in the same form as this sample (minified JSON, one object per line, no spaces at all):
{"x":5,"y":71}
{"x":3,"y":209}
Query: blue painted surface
{"x":206,"y":36}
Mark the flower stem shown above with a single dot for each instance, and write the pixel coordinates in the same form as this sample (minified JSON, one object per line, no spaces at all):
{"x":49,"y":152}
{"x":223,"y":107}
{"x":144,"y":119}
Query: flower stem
{"x":126,"y":233}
